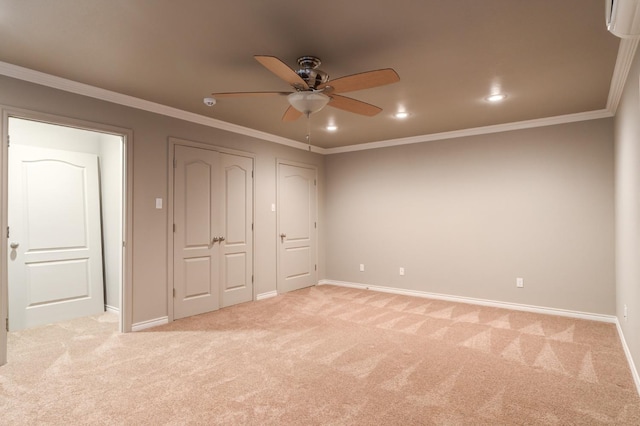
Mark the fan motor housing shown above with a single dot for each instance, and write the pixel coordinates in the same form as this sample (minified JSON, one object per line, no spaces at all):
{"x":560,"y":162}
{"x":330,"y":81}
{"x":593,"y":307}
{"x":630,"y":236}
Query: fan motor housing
{"x":310,"y":73}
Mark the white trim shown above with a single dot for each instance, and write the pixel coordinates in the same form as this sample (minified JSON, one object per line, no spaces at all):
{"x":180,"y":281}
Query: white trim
{"x":267,"y":295}
{"x":518,"y":125}
{"x":627,"y":352}
{"x":139,"y":326}
{"x":474,"y":301}
{"x":626,"y":52}
{"x":112,"y":309}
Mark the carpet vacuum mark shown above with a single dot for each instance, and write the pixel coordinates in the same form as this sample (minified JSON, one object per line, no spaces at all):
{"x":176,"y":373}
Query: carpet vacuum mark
{"x":323,"y":356}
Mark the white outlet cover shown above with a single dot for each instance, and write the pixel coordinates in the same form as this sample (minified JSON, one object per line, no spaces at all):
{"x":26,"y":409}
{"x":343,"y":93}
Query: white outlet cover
{"x":401,"y":271}
{"x":362,"y":267}
{"x":520,"y":282}
{"x":158,"y":203}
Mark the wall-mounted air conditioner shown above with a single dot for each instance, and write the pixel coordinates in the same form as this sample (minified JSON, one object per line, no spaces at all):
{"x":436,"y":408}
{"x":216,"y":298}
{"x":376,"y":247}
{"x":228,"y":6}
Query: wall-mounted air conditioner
{"x":623,"y":17}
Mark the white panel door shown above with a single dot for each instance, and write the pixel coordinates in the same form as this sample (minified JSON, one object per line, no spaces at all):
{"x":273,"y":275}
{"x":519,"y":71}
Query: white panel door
{"x":237,"y":246}
{"x":197,"y":230}
{"x":296,"y":227}
{"x":55,"y":254}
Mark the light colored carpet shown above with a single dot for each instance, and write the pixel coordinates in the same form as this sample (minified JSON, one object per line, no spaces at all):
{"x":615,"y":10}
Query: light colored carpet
{"x":323,"y":355}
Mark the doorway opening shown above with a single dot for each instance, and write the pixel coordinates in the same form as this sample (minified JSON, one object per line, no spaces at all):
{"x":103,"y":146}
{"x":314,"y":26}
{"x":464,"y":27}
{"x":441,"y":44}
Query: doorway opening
{"x":66,"y":201}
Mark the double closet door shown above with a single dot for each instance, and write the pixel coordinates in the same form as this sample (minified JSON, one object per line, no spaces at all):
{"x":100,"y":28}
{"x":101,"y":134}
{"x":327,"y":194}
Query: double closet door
{"x":213,"y":230}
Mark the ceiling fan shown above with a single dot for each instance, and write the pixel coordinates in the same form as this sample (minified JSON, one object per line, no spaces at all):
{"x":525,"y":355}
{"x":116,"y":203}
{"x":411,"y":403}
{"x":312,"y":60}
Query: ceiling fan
{"x":314,"y":90}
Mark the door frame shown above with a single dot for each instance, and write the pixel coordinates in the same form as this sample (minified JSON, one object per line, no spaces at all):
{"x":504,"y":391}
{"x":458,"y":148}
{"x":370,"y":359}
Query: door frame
{"x":279,"y":162}
{"x":126,"y":291}
{"x":173,"y":141}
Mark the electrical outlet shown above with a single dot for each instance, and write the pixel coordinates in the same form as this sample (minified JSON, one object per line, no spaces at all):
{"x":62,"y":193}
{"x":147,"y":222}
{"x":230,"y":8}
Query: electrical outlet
{"x":626,"y":313}
{"x":519,"y":282}
{"x":401,"y":271}
{"x":362,"y":267}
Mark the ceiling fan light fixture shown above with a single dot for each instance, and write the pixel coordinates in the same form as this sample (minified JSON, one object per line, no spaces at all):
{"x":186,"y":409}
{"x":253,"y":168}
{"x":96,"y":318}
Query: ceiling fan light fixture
{"x":401,"y":115}
{"x":308,"y":102}
{"x":332,"y":127}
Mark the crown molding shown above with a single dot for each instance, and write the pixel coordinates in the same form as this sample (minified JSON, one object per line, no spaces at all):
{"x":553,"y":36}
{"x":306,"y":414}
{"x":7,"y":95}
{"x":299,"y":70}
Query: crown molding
{"x":626,"y":53}
{"x":518,"y":125}
{"x":623,"y":64}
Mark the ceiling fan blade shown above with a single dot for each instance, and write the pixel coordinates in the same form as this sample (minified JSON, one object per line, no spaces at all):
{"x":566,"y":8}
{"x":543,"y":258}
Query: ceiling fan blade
{"x":283,"y":71}
{"x":248,"y":94}
{"x":354,"y":105}
{"x":291,"y":114}
{"x":365,"y":80}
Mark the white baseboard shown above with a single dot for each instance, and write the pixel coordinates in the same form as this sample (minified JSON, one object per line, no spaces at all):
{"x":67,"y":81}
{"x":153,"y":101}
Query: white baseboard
{"x":149,"y":324}
{"x":627,"y":352}
{"x":112,"y":309}
{"x":267,"y":295}
{"x":474,"y":301}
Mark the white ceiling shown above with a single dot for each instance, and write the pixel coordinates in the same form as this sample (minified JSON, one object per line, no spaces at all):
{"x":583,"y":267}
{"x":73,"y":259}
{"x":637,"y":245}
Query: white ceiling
{"x":551,"y":57}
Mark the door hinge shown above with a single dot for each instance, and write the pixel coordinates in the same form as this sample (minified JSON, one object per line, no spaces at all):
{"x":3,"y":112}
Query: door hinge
{"x":315,"y":224}
{"x":124,"y":244}
{"x":175,"y":163}
{"x":6,"y":323}
{"x":174,"y":292}
{"x":251,"y":174}
{"x":7,"y":232}
{"x":252,"y":226}
{"x":174,"y":227}
{"x":8,"y":141}
{"x":315,"y":267}
{"x":251,"y":279}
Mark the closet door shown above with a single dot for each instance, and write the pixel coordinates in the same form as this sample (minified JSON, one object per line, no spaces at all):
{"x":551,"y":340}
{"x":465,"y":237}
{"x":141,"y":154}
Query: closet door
{"x":213,"y":232}
{"x":297,"y":200}
{"x":197,"y":217}
{"x":237,"y":243}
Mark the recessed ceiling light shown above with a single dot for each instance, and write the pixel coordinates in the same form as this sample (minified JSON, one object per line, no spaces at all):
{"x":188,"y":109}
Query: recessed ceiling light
{"x":401,"y":114}
{"x":332,"y":127}
{"x":497,"y":97}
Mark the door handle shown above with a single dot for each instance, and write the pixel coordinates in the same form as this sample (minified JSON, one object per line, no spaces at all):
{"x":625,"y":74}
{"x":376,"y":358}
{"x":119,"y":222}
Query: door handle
{"x":282,"y":237}
{"x":14,"y":245}
{"x":221,"y":239}
{"x":215,"y":240}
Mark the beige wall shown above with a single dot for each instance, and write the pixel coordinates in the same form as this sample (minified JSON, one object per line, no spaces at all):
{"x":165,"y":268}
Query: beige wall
{"x":462,"y":216}
{"x":627,"y":158}
{"x":467,"y":216}
{"x":150,"y":142}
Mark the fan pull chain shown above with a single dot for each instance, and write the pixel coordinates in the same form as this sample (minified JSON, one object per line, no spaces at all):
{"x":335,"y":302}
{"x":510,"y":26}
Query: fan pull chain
{"x":309,"y":130}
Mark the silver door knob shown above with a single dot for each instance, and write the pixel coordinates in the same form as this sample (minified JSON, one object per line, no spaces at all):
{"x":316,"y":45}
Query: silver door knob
{"x":221,"y":239}
{"x":215,"y":240}
{"x":283,"y":236}
{"x":14,"y":245}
